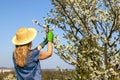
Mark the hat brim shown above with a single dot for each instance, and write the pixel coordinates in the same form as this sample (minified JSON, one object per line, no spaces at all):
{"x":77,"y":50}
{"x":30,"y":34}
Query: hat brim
{"x":33,"y":33}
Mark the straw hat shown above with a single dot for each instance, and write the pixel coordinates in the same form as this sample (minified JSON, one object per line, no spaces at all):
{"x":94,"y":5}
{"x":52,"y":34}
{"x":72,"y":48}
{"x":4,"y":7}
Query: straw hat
{"x":24,"y":36}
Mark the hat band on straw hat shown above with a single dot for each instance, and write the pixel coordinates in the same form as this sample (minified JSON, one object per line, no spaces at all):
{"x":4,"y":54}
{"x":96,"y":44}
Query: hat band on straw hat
{"x":24,"y":36}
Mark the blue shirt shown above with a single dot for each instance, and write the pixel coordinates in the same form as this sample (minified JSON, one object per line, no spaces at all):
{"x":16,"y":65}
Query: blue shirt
{"x":32,"y":70}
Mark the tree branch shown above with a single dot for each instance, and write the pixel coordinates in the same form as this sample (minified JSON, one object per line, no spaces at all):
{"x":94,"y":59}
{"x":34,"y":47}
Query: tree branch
{"x":114,"y":42}
{"x":117,"y":52}
{"x":73,"y":25}
{"x":95,"y":27}
{"x":80,"y":18}
{"x":112,"y":29}
{"x":100,"y":23}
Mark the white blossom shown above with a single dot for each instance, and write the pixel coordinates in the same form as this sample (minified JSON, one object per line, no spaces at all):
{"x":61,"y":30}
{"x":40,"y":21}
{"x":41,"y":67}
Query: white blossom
{"x":87,"y":26}
{"x":36,"y":22}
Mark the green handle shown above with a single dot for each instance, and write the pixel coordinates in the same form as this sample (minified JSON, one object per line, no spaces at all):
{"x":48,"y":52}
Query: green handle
{"x":50,"y":36}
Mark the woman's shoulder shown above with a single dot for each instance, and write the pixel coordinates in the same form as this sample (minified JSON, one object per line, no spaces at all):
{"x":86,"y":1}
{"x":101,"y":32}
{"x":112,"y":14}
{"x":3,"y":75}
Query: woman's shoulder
{"x":35,"y":52}
{"x":35,"y":55}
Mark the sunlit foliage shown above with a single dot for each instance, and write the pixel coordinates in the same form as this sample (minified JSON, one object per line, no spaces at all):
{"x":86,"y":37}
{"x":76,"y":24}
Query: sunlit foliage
{"x":91,"y":29}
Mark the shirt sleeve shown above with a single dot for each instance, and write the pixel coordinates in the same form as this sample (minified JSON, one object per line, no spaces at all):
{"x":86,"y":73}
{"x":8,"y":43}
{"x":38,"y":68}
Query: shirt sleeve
{"x":35,"y":55}
{"x":13,"y":59}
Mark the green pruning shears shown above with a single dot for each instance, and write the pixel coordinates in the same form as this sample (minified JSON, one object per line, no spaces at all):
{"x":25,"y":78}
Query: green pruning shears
{"x":49,"y":33}
{"x":46,"y":26}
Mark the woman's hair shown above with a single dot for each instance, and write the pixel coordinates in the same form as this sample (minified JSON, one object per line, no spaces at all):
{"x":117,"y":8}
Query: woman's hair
{"x":20,"y":54}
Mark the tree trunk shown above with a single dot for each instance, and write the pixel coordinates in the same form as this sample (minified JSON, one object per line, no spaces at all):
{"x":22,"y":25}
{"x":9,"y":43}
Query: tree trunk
{"x":78,"y":70}
{"x":105,"y":56}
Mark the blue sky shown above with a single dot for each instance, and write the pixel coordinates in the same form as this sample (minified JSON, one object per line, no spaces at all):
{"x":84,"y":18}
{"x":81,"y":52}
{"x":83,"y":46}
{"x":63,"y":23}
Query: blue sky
{"x":15,"y":14}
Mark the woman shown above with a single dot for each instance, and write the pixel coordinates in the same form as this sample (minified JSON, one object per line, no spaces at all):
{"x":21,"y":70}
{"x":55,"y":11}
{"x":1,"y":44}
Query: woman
{"x":26,"y":60}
